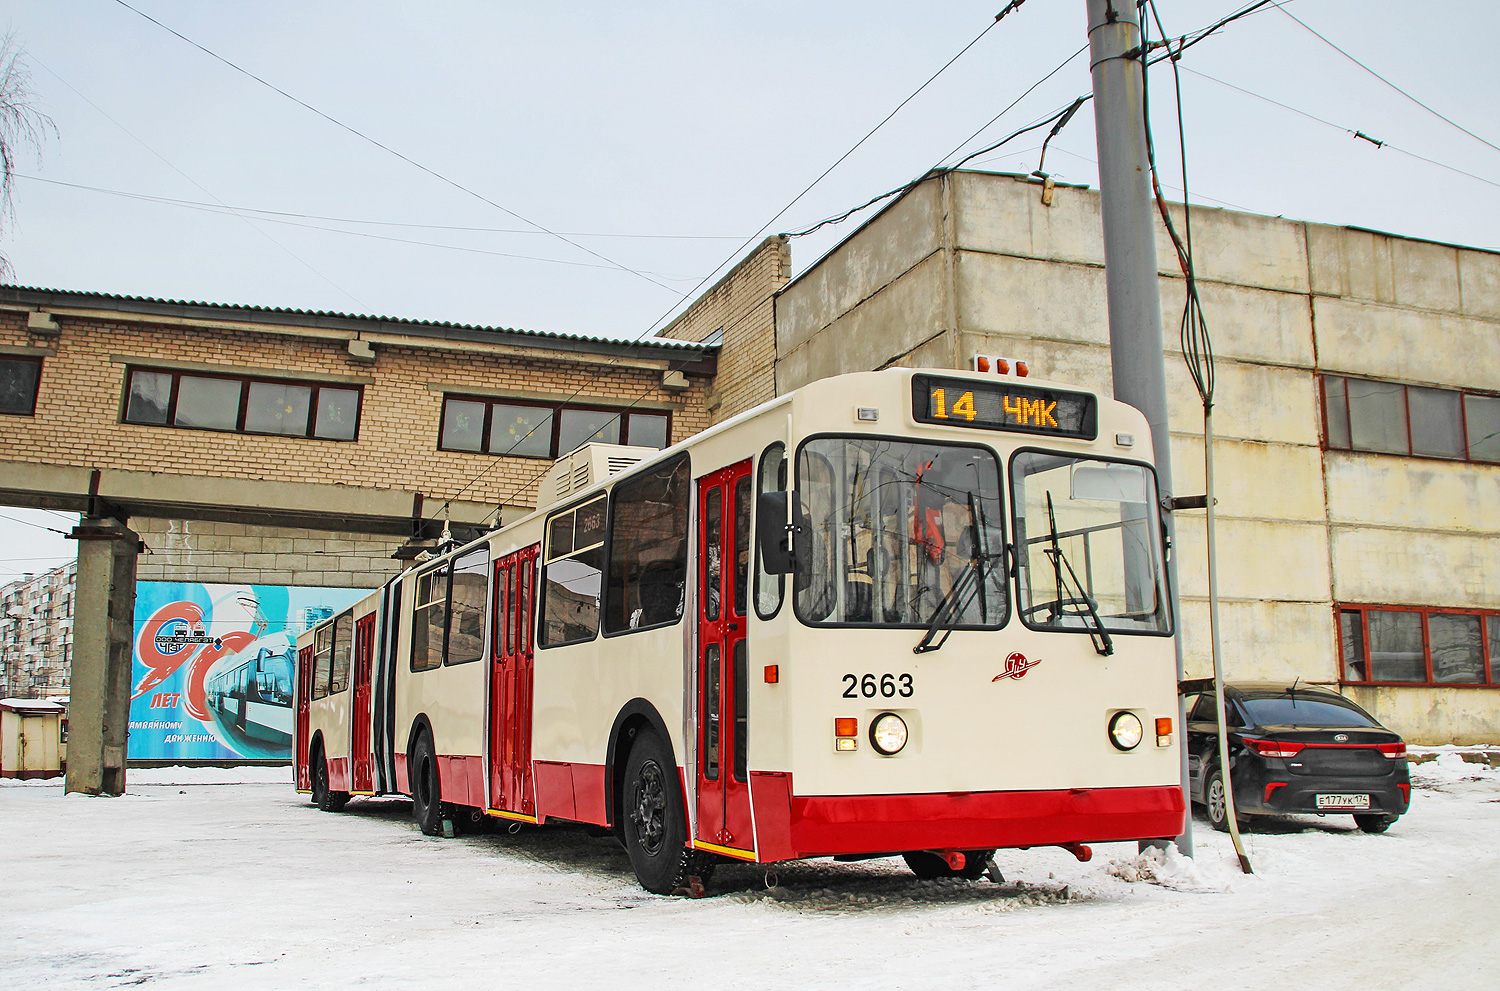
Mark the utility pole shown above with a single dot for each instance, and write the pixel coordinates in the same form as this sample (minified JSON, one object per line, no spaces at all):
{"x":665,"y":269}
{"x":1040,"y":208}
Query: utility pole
{"x":1135,"y":343}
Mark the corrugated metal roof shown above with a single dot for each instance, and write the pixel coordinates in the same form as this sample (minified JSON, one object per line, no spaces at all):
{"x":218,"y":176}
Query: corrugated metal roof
{"x":40,"y":295}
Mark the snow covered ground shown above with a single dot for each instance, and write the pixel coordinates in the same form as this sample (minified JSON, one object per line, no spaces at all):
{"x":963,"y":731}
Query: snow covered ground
{"x":203,"y":878}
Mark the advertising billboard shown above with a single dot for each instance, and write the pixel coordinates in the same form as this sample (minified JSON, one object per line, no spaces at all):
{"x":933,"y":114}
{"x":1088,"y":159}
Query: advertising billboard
{"x":214,"y":664}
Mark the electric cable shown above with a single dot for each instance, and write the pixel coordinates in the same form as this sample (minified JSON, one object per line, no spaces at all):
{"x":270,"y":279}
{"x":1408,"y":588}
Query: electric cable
{"x":392,"y":151}
{"x":221,"y":208}
{"x":1398,"y":89}
{"x":1353,"y":132}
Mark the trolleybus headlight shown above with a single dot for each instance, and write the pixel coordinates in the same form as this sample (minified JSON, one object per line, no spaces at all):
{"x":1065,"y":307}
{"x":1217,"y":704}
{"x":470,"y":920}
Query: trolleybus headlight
{"x":888,"y":733}
{"x":1126,"y":731}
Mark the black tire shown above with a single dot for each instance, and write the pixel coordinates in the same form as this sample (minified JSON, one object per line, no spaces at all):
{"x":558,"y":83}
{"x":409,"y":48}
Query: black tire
{"x":927,"y":865}
{"x":317,"y":769}
{"x":652,"y":816}
{"x":325,"y":797}
{"x":426,"y":787}
{"x":1214,"y":805}
{"x":1373,"y":822}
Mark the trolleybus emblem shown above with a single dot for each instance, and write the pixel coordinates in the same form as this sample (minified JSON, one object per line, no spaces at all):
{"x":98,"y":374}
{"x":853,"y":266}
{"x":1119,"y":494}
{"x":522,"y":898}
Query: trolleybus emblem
{"x":1016,"y":666}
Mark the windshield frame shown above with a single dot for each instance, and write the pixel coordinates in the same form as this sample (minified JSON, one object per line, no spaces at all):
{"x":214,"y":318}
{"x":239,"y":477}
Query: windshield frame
{"x":1001,"y":523}
{"x":1163,"y":572}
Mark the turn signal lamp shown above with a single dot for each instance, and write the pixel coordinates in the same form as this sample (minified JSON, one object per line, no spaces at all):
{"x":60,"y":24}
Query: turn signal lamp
{"x":1163,"y":731}
{"x":845,"y":732}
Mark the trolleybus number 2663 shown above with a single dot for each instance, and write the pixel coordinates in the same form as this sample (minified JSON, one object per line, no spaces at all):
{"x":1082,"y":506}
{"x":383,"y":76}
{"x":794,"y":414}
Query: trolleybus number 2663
{"x":884,"y":685}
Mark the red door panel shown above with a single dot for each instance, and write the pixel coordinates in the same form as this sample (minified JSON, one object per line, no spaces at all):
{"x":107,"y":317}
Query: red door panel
{"x":512,"y":788}
{"x":723,"y":596}
{"x":304,"y":698}
{"x":363,"y":770}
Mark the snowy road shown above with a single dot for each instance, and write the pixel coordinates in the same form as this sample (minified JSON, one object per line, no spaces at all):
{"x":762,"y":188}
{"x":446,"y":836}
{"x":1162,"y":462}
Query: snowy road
{"x":201,"y":885}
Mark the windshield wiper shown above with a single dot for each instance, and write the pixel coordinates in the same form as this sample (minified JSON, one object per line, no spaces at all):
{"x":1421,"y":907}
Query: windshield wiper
{"x":969,"y":583}
{"x":1097,"y":633}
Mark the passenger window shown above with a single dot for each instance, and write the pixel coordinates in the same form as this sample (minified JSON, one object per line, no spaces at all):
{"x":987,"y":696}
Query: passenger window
{"x":648,"y":544}
{"x":467,"y":600}
{"x":343,"y":642}
{"x":741,"y":545}
{"x":573,"y":575}
{"x":427,"y":619}
{"x":771,"y":477}
{"x":322,"y":657}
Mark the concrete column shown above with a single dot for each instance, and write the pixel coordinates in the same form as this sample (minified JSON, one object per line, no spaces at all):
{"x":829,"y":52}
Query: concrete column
{"x":103,"y":626}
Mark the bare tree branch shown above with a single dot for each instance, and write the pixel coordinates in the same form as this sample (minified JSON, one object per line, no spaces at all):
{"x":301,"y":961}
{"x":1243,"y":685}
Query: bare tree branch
{"x":22,"y":127}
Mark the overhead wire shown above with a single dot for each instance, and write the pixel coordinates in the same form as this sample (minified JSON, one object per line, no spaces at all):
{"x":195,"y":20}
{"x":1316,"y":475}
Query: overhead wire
{"x":1009,"y":8}
{"x":460,"y":228}
{"x":392,"y":151}
{"x":1440,"y":116}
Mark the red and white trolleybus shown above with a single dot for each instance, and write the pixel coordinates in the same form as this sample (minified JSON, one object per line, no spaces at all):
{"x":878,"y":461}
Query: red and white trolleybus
{"x":914,"y":612}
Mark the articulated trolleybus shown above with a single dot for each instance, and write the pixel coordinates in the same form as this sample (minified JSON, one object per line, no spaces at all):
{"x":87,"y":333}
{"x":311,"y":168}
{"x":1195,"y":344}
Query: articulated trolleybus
{"x":914,"y":612}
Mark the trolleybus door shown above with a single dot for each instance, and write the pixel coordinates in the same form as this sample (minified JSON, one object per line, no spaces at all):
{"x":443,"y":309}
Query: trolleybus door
{"x":304,"y":698}
{"x":511,"y":682}
{"x":363,"y":776}
{"x":724,"y":500}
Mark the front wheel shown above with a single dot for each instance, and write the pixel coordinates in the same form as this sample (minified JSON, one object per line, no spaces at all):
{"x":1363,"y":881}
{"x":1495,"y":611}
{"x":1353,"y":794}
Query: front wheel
{"x":654,"y":825}
{"x":426,"y":788}
{"x":323,"y":796}
{"x":1374,"y":822}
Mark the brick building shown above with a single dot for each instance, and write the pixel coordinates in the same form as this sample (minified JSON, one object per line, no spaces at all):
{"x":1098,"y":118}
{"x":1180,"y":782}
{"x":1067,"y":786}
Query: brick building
{"x":273,"y":446}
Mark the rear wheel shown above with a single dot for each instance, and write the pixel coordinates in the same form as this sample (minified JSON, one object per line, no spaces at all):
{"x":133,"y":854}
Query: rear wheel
{"x":1374,"y":822}
{"x":654,"y":825}
{"x":928,"y":865}
{"x":426,"y":789}
{"x":1215,"y":804}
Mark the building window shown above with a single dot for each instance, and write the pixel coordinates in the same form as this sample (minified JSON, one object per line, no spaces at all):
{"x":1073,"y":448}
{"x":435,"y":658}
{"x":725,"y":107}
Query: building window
{"x":242,"y":404}
{"x":540,"y":430}
{"x":1390,"y":418}
{"x":18,"y":381}
{"x":1394,"y":646}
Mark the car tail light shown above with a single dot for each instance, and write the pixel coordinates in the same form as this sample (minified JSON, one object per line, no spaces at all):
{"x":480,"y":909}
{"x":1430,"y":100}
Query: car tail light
{"x":1274,"y":748}
{"x":1393,"y":750}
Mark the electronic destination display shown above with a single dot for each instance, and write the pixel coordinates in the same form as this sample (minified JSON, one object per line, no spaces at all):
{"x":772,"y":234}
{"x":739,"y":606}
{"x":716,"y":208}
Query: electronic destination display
{"x":1004,"y":404}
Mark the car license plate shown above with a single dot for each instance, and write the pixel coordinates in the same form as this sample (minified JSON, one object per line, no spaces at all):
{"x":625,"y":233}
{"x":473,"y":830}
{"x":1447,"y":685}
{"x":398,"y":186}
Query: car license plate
{"x":1343,"y":801}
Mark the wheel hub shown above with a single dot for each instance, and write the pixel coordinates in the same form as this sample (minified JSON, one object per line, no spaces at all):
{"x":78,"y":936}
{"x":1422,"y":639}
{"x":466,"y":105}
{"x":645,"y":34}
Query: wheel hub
{"x":648,"y":811}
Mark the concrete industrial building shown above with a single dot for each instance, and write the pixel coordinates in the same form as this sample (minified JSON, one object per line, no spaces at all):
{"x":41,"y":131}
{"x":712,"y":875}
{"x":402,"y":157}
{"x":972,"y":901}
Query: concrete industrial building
{"x":1357,"y":412}
{"x":1358,"y":549}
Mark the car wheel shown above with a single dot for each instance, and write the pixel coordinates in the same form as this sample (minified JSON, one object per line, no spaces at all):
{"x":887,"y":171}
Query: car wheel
{"x":927,"y":865}
{"x":654,"y":826}
{"x":1215,"y":805}
{"x":1374,"y":822}
{"x":426,"y":787}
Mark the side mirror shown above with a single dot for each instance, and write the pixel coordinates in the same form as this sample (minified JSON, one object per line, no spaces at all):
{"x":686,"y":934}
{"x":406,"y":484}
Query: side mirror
{"x":784,"y":547}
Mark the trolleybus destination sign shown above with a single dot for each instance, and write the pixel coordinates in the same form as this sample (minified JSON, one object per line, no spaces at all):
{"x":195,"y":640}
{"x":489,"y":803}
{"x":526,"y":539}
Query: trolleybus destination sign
{"x":1004,"y":405}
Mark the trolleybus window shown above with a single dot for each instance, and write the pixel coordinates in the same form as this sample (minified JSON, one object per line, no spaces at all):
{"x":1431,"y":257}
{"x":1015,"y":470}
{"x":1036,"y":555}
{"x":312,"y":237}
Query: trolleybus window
{"x":343,"y":642}
{"x":903,"y":534}
{"x":322,"y":659}
{"x":648,"y":544}
{"x":1090,"y":545}
{"x":770,"y":478}
{"x":574,"y":571}
{"x":427,"y":619}
{"x":467,"y":601}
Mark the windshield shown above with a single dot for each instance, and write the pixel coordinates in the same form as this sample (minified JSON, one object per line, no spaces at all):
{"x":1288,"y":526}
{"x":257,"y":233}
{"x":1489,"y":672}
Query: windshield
{"x":894,"y":525}
{"x":1284,"y":710}
{"x":1089,"y":545}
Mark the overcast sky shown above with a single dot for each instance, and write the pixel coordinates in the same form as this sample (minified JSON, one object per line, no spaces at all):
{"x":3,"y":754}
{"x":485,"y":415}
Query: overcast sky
{"x":660,"y":136}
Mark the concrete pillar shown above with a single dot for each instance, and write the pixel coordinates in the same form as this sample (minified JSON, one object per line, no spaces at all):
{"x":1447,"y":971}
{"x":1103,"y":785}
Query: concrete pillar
{"x":103,"y":627}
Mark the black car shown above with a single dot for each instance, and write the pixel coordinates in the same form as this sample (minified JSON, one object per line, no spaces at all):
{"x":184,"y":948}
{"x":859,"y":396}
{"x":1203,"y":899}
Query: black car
{"x":1294,"y":749}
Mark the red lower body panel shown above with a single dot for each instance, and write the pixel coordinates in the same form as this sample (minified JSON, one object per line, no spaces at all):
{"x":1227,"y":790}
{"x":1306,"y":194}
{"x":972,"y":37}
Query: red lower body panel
{"x":570,"y":791}
{"x":790,"y":825}
{"x":338,"y":774}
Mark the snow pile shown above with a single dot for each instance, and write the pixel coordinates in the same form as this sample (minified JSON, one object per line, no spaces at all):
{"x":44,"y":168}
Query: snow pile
{"x":1167,"y":868}
{"x":1449,"y":772}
